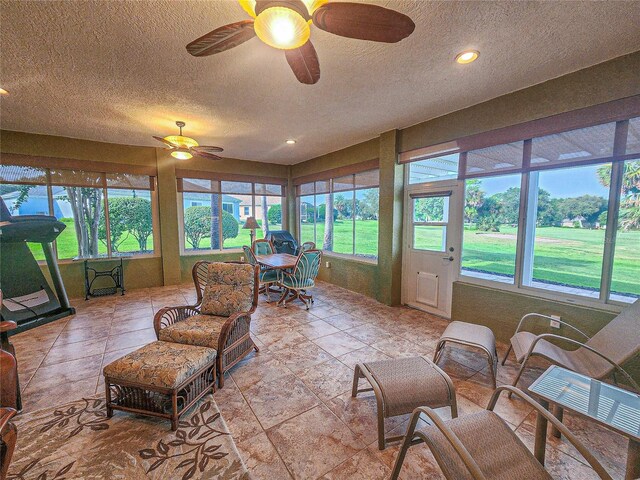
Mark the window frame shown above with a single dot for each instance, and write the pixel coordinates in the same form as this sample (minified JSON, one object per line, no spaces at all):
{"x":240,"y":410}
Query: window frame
{"x":188,"y":174}
{"x":604,"y":299}
{"x":353,"y":191}
{"x":104,"y":187}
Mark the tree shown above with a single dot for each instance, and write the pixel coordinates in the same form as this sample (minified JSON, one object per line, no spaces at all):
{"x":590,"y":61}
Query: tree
{"x":587,"y":206}
{"x":197,"y":224}
{"x":139,"y":220}
{"x":474,"y":196}
{"x":489,"y":214}
{"x":327,"y":243}
{"x":117,"y":224}
{"x":265,"y":217}
{"x":320,"y":215}
{"x":509,"y":205}
{"x":370,"y":204}
{"x":630,"y":198}
{"x":548,"y":213}
{"x":275,"y":214}
{"x":429,"y":209}
{"x":86,"y":204}
{"x":344,"y":206}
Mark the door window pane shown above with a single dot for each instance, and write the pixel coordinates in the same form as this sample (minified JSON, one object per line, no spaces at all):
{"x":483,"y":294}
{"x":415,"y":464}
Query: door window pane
{"x":430,"y":237}
{"x":625,"y":286}
{"x":570,"y":220}
{"x":130,"y":222}
{"x":430,"y":216}
{"x":491,"y":227}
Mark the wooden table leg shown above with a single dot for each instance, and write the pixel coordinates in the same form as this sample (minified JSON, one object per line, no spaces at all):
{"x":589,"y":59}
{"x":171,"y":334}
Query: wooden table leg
{"x":541,"y":434}
{"x":633,"y":460}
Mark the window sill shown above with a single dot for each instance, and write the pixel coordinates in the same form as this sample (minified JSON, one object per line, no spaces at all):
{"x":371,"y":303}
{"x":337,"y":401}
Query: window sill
{"x":195,"y":253}
{"x":68,"y":261}
{"x":351,"y":258}
{"x":612,"y":307}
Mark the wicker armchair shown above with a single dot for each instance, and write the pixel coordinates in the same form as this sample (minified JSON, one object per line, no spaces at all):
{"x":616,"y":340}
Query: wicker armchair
{"x":301,"y":278}
{"x":482,"y":446}
{"x":263,"y":247}
{"x":228,"y":334}
{"x":8,"y":437}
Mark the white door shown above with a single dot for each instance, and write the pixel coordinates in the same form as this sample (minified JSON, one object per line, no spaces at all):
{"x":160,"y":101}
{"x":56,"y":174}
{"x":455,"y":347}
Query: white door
{"x":432,"y":242}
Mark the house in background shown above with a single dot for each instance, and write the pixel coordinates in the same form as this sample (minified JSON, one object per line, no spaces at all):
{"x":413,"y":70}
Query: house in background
{"x":246,"y":206}
{"x":229,"y":204}
{"x":37,"y":202}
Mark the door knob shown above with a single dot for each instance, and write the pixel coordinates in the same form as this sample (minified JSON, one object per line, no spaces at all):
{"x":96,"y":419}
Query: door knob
{"x":448,"y":258}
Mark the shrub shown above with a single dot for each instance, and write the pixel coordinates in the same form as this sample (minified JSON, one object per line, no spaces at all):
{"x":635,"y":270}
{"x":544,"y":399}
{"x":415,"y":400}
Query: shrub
{"x":197,"y":225}
{"x":229,"y":226}
{"x":275,"y":214}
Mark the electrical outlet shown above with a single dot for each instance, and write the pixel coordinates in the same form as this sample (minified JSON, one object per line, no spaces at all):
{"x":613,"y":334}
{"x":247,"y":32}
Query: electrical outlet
{"x":242,"y":259}
{"x":327,"y":264}
{"x":555,"y":322}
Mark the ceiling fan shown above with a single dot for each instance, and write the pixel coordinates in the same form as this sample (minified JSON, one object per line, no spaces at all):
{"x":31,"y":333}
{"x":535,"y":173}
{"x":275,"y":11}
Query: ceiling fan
{"x":285,"y":25}
{"x":183,"y":148}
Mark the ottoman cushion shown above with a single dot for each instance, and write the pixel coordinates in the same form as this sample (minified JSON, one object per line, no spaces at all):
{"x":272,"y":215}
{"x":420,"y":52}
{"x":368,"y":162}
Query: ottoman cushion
{"x":200,"y":330}
{"x":407,"y":383}
{"x":471,"y":333}
{"x":160,"y":364}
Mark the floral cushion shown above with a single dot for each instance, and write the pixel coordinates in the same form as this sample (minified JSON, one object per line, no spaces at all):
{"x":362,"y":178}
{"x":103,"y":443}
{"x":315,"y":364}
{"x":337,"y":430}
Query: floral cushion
{"x":200,"y":330}
{"x":160,"y":364}
{"x":229,"y":289}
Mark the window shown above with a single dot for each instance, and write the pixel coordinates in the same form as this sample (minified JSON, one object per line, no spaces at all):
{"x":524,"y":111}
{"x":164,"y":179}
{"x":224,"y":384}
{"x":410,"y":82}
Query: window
{"x":216,"y":222}
{"x":565,"y":238}
{"x":625,"y":286}
{"x":83,"y":200}
{"x":430,"y":218}
{"x":491,"y":227}
{"x":340,"y":215}
{"x":566,"y":231}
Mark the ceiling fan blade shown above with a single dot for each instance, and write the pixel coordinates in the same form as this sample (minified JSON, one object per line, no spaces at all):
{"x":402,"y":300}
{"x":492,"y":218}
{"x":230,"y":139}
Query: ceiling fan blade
{"x":207,"y":149}
{"x":363,"y":21}
{"x":207,"y":155}
{"x":160,"y":139}
{"x":222,"y":39}
{"x":304,"y":63}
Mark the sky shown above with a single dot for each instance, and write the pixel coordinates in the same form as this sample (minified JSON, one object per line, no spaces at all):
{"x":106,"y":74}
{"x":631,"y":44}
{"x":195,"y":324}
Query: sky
{"x":569,"y":182}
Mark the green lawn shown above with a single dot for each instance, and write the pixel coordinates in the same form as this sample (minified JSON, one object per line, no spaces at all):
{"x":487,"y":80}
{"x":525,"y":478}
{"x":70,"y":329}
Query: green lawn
{"x":568,"y":256}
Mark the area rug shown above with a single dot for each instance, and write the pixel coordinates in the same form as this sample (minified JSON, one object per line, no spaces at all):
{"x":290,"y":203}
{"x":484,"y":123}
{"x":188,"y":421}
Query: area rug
{"x":78,"y":441}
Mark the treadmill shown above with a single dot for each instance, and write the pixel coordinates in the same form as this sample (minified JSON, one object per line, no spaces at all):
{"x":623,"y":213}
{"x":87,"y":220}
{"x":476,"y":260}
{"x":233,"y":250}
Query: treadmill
{"x":27,"y":297}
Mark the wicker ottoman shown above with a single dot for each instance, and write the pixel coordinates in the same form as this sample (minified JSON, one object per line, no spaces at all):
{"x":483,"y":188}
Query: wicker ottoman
{"x":471,"y":335}
{"x":403,"y":384}
{"x":162,"y":379}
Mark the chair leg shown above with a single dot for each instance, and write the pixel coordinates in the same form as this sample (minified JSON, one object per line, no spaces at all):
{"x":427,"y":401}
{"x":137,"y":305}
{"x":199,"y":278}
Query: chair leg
{"x":356,"y":381}
{"x":255,"y":347}
{"x":504,"y":360}
{"x":438,"y":352}
{"x":522,"y":367}
{"x":406,"y":443}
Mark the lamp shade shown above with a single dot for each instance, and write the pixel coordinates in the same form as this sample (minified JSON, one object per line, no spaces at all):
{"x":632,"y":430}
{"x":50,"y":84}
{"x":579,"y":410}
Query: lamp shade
{"x":251,"y":224}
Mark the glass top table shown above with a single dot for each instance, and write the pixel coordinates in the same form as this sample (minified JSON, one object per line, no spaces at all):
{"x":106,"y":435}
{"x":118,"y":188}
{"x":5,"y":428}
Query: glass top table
{"x":613,"y":407}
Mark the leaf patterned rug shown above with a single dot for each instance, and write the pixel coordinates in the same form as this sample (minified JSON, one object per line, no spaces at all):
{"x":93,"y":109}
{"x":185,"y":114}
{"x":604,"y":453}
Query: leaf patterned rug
{"x":78,"y":441}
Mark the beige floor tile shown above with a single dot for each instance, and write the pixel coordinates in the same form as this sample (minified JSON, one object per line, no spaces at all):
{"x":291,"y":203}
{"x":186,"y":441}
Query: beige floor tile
{"x":339,"y":343}
{"x":73,"y":351}
{"x":328,"y":380}
{"x":302,"y":356}
{"x":262,"y":459}
{"x":313,"y":443}
{"x":364,"y":465}
{"x":316,"y":329}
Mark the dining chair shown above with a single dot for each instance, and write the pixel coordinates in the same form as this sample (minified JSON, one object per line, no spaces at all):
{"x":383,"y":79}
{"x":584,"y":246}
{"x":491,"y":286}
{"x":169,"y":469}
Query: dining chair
{"x":302,"y":277}
{"x":268,"y":276}
{"x":308,"y":246}
{"x":263,"y":247}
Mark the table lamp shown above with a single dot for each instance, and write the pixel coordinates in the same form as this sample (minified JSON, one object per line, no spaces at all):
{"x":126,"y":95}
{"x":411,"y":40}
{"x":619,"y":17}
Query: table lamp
{"x":252,"y":225}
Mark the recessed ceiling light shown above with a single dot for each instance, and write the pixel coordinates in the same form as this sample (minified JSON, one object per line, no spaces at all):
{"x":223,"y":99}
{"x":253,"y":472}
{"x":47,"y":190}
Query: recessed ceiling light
{"x":467,"y":56}
{"x":290,"y":142}
{"x":3,"y":92}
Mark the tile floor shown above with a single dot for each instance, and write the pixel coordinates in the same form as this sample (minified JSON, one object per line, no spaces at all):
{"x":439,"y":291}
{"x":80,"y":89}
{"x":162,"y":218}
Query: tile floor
{"x":289,"y":407}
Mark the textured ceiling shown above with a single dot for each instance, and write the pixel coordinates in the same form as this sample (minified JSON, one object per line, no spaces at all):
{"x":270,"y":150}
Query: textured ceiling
{"x":117,"y":71}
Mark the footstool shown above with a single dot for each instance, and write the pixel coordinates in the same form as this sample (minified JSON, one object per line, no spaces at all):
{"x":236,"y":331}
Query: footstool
{"x":471,"y":335}
{"x":161,"y":379}
{"x":403,"y":384}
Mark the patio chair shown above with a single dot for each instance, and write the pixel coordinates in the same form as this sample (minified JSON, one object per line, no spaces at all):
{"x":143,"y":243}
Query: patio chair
{"x":598,"y":357}
{"x":302,"y":277}
{"x":308,"y":246}
{"x":263,"y":247}
{"x":227,"y":296}
{"x":482,"y":446}
{"x":268,"y":276}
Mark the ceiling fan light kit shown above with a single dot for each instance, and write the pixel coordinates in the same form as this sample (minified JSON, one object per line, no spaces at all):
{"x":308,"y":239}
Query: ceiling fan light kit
{"x":286,"y":25}
{"x":184,"y":148}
